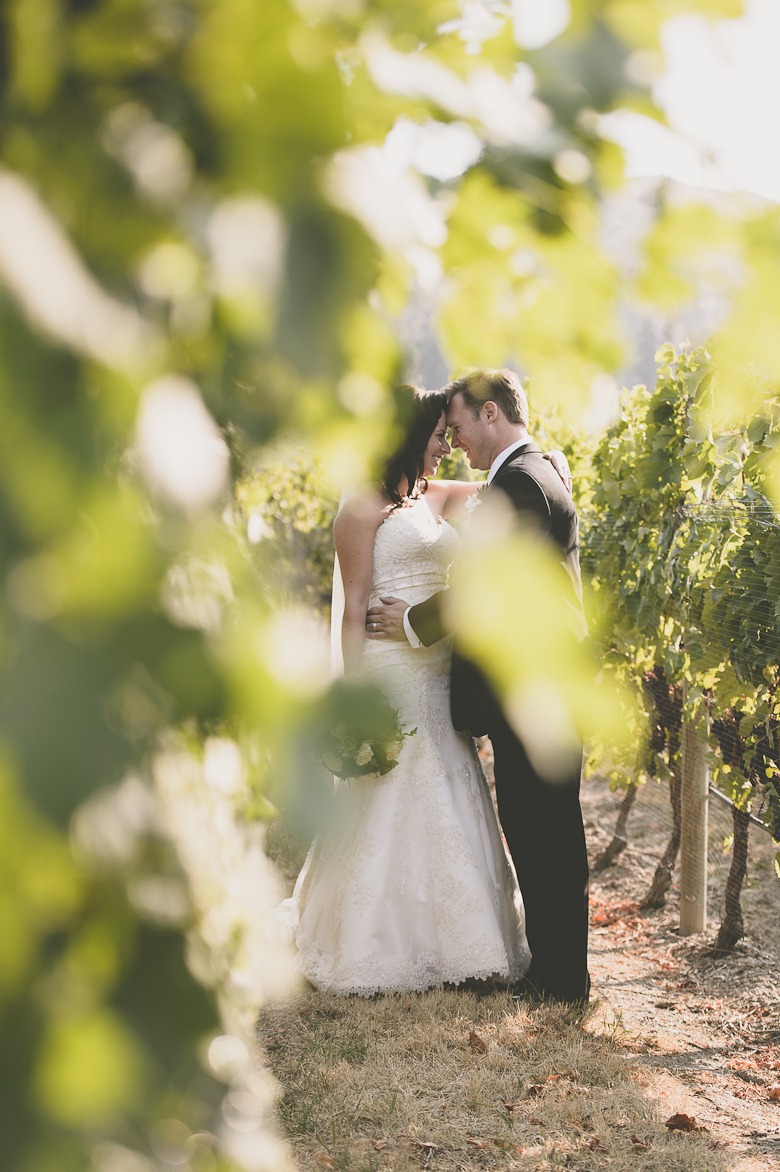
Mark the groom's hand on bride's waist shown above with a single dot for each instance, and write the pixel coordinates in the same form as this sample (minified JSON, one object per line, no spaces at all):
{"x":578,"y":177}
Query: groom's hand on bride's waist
{"x":385,"y":619}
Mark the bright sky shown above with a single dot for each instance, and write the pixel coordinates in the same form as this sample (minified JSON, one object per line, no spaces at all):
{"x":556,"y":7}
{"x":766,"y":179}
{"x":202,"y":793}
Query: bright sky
{"x":720,"y":92}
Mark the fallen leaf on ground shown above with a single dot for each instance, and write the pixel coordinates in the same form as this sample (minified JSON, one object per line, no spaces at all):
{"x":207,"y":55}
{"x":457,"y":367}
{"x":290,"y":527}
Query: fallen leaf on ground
{"x":680,"y":1122}
{"x":639,"y":1143}
{"x":379,"y":1145}
{"x":774,"y":1094}
{"x":622,"y":912}
{"x":324,"y":1160}
{"x":743,"y":1064}
{"x":473,"y":1142}
{"x":477,"y":1044}
{"x":505,"y":1145}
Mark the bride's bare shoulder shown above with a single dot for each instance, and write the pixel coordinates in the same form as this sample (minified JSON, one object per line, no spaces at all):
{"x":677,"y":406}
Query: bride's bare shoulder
{"x":365,"y":508}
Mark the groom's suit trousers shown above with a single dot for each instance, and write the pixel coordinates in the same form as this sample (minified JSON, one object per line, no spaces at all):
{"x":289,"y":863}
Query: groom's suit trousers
{"x":542,"y":824}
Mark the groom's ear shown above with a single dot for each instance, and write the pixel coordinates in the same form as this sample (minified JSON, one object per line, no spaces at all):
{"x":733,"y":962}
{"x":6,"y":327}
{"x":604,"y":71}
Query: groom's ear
{"x":491,"y":410}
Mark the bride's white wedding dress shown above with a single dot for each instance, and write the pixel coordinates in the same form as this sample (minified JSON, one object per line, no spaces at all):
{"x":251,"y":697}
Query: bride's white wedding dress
{"x":411,"y":886}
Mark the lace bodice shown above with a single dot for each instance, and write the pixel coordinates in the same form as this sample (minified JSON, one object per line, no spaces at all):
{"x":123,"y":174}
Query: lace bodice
{"x":413,"y":552}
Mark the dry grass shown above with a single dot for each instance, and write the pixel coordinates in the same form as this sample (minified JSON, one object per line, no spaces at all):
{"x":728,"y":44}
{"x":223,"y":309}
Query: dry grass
{"x":394,"y":1083}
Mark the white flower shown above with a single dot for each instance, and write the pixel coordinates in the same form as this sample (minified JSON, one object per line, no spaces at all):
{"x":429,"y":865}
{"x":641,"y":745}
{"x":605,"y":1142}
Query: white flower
{"x":394,"y":749}
{"x":364,"y":754}
{"x":474,"y":500}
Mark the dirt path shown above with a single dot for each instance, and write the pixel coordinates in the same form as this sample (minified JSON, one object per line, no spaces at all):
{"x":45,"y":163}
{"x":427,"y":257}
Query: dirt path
{"x":704,"y":1028}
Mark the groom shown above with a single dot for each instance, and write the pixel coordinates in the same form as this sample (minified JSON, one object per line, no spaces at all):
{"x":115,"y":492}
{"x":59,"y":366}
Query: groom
{"x":542,"y":820}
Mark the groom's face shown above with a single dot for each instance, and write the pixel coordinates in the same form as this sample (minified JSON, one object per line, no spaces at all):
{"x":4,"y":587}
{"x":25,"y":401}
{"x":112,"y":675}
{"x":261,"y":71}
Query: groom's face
{"x":470,"y":433}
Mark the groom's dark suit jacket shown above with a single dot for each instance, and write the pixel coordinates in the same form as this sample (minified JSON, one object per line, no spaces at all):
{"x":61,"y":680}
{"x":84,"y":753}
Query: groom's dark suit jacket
{"x":539,"y":497}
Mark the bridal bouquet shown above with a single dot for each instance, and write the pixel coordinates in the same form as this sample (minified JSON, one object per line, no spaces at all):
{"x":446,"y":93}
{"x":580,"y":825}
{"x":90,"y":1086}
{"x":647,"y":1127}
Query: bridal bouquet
{"x":366,"y":739}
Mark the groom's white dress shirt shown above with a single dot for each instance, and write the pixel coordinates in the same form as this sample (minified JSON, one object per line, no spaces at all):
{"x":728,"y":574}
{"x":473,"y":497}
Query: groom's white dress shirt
{"x":494,"y":467}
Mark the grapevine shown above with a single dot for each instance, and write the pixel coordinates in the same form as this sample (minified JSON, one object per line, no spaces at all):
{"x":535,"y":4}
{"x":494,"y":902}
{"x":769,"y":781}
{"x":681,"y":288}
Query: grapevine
{"x":681,"y":547}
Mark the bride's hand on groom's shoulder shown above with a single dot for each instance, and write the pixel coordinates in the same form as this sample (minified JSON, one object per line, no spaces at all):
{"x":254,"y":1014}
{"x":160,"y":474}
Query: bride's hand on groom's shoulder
{"x":561,"y":465}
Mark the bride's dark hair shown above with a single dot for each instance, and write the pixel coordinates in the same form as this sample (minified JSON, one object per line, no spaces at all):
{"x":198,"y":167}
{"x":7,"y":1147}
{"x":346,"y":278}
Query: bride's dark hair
{"x":422,"y":412}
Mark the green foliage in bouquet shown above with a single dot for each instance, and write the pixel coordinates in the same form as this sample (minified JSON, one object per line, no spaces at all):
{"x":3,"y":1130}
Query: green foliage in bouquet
{"x":360,"y":734}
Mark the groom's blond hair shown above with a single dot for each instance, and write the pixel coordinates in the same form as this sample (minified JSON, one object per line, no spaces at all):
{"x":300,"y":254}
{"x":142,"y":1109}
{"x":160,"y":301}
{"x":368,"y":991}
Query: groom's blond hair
{"x":501,"y":387}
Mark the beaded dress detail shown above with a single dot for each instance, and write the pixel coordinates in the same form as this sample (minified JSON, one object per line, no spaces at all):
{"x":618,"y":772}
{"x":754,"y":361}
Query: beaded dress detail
{"x":411,"y":886}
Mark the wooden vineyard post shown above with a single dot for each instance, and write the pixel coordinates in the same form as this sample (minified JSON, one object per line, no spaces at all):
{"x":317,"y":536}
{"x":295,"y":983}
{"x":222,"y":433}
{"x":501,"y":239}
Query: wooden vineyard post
{"x":693,"y":840}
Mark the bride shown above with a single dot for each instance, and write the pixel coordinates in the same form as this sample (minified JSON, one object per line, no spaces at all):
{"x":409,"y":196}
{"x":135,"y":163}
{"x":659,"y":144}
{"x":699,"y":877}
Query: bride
{"x":412,"y":886}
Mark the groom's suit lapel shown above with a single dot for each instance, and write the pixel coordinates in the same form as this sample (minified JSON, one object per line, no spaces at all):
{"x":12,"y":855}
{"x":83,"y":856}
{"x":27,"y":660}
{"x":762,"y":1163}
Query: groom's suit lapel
{"x":528,"y":446}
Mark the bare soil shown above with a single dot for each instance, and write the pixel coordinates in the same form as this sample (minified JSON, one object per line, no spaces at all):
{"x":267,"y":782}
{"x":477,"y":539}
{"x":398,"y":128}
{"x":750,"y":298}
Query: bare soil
{"x":703,"y":1027}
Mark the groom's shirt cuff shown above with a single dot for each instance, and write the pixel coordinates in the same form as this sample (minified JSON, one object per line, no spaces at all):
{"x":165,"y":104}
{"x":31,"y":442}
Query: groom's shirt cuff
{"x":410,"y":635}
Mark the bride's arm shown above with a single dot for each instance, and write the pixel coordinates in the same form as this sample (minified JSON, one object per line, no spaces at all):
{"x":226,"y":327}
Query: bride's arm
{"x":354,"y":531}
{"x":455,"y":495}
{"x":452,"y":496}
